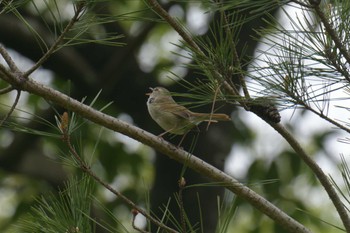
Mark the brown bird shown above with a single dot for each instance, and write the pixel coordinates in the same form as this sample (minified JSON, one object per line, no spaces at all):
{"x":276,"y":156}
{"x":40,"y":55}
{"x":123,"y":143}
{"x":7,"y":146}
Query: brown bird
{"x":175,"y":118}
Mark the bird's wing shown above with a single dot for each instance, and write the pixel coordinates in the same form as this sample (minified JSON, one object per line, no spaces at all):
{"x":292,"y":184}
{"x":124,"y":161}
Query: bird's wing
{"x":177,"y":110}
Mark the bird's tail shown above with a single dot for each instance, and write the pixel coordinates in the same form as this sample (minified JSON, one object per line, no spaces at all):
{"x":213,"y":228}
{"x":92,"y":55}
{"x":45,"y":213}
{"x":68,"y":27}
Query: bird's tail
{"x":212,"y":117}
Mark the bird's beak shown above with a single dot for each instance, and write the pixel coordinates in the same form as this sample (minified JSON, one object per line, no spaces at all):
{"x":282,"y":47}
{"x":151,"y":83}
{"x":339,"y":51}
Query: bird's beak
{"x":150,"y":92}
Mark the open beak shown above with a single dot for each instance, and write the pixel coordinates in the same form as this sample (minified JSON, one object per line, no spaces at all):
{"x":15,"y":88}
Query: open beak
{"x":150,"y":92}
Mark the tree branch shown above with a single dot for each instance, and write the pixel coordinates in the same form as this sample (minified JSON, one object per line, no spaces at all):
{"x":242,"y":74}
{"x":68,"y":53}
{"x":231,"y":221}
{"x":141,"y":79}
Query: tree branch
{"x":188,"y":39}
{"x":331,"y":31}
{"x":278,"y":127}
{"x":8,"y":59}
{"x":83,"y":166}
{"x":321,"y":176}
{"x":159,"y":144}
{"x":79,"y":8}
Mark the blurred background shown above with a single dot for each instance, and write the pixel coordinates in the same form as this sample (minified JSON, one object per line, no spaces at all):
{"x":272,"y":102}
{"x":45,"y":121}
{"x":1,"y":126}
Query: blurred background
{"x":247,"y":148}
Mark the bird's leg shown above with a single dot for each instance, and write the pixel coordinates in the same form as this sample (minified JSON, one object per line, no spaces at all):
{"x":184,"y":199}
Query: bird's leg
{"x":183,"y":137}
{"x":197,"y":130}
{"x":162,"y":134}
{"x":165,"y":132}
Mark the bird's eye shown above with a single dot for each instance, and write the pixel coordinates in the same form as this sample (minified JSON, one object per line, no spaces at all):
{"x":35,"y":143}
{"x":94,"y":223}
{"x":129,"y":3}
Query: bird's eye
{"x":150,"y":100}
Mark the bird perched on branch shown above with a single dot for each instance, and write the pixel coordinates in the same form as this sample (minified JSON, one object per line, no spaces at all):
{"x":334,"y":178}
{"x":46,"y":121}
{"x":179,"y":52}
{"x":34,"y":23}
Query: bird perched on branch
{"x":175,"y":118}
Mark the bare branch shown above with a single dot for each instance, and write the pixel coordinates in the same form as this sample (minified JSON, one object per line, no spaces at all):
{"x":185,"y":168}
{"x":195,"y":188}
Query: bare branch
{"x":322,"y":177}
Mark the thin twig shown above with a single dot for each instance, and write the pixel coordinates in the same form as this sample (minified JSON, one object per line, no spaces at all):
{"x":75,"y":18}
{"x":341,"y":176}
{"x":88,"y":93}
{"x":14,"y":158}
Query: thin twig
{"x":134,"y":214}
{"x":332,"y":33}
{"x":10,"y":77}
{"x":6,"y":90}
{"x":182,"y":184}
{"x":236,"y":61}
{"x":320,"y":114}
{"x":12,"y":107}
{"x":79,"y":8}
{"x":339,"y":66}
{"x":8,"y":59}
{"x":302,"y":103}
{"x":213,"y":105}
{"x":186,"y":37}
{"x":86,"y":168}
{"x":174,"y":24}
{"x":3,"y":70}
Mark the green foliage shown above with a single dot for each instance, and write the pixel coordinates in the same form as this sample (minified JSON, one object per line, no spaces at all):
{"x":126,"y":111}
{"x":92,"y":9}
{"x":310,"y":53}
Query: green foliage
{"x":304,"y":67}
{"x":226,"y":210}
{"x":299,"y":68}
{"x":67,"y":212}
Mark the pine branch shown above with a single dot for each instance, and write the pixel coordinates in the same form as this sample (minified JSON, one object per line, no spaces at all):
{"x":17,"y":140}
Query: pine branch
{"x":64,"y":125}
{"x":236,"y":60}
{"x":8,"y":59}
{"x":330,"y":30}
{"x":290,"y":139}
{"x":78,"y":10}
{"x":322,"y":177}
{"x":160,"y":145}
{"x":15,"y":102}
{"x":326,"y":118}
{"x":186,"y":36}
{"x":6,"y":90}
{"x":14,"y":69}
{"x":22,"y":82}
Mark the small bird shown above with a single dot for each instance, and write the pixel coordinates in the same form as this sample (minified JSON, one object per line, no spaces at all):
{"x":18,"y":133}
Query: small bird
{"x":175,"y":118}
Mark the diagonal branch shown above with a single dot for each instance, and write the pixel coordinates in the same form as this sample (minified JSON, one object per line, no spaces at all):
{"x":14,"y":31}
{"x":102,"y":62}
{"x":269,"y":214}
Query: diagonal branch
{"x":331,"y":31}
{"x":6,"y":90}
{"x":79,"y":8}
{"x":161,"y":145}
{"x":83,"y":166}
{"x":236,"y":60}
{"x":8,"y":59}
{"x":14,"y":69}
{"x":278,"y":127}
{"x":12,"y":108}
{"x":321,"y":176}
{"x":174,"y":24}
{"x":189,"y":40}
